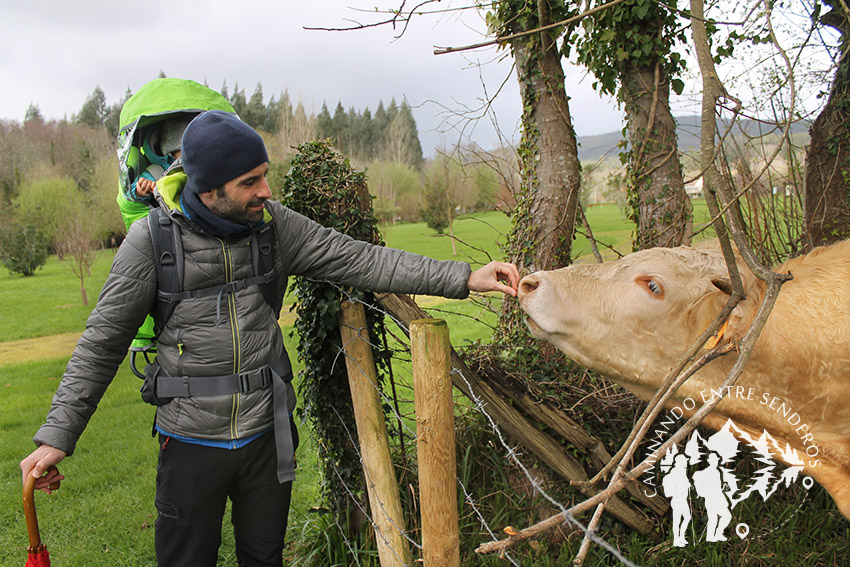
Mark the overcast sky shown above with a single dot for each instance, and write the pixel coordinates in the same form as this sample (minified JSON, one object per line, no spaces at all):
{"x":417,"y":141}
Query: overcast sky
{"x":53,"y":53}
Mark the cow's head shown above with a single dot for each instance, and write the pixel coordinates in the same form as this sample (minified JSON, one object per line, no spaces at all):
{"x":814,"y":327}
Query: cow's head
{"x":631,"y":319}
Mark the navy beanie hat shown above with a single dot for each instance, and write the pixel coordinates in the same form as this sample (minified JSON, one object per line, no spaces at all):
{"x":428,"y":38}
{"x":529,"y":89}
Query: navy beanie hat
{"x":217,"y":147}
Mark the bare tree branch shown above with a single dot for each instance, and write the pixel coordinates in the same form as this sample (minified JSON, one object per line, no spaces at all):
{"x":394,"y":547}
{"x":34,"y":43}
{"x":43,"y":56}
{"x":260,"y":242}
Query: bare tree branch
{"x":397,"y":16}
{"x":505,"y":39}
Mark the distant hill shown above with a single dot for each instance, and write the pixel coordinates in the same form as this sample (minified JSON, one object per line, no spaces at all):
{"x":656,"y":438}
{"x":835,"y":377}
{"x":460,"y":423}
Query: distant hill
{"x":600,"y":146}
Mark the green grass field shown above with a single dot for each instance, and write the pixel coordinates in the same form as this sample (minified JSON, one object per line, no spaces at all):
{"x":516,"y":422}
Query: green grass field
{"x":104,"y":513}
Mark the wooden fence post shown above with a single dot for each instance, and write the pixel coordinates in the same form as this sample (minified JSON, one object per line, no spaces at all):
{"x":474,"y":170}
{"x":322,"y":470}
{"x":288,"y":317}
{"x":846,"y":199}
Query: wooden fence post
{"x":435,"y":442}
{"x":374,"y":445}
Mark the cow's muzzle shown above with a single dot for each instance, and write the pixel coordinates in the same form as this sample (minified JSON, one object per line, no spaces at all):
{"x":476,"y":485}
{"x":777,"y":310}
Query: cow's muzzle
{"x":528,"y":285}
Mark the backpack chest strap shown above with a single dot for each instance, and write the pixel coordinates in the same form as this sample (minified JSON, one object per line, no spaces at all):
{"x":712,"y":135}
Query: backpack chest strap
{"x":230,"y":287}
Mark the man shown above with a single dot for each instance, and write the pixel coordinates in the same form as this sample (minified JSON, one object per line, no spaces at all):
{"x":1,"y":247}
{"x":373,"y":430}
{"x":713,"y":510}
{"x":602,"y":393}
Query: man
{"x":238,"y":444}
{"x":677,"y":487}
{"x":710,"y":485}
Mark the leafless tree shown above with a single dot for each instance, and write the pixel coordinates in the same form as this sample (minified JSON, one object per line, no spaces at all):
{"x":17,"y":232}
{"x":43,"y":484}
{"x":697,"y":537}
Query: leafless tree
{"x":75,"y":238}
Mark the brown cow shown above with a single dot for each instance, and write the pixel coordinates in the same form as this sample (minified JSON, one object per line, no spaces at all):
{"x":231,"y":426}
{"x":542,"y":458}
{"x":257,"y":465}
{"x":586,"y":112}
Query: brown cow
{"x":632,"y":319}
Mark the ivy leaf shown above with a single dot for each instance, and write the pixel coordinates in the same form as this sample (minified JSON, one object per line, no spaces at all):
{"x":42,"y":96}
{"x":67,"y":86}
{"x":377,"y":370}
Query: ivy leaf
{"x":678,"y":85}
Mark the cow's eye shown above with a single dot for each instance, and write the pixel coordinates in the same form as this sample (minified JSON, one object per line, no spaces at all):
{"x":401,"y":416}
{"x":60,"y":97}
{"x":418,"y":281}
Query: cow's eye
{"x":652,"y":286}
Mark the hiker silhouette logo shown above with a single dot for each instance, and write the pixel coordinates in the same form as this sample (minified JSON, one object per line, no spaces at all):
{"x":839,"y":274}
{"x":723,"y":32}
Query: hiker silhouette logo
{"x":703,"y":474}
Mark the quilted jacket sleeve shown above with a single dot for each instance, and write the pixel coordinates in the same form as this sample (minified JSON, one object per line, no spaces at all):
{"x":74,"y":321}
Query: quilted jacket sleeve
{"x":309,"y":249}
{"x":126,"y":297}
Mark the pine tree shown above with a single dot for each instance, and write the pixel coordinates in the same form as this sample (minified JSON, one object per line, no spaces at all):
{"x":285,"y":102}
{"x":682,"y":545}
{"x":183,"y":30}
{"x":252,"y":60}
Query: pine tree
{"x":415,"y":149}
{"x":238,"y":100}
{"x":379,"y":129}
{"x":113,"y":116}
{"x":338,"y":123}
{"x":366,"y":136}
{"x":33,"y":114}
{"x":324,"y":123}
{"x":254,"y":113}
{"x":94,"y":110}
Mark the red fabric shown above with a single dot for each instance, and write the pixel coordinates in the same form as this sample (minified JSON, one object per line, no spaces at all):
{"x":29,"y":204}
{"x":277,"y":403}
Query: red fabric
{"x":41,"y":559}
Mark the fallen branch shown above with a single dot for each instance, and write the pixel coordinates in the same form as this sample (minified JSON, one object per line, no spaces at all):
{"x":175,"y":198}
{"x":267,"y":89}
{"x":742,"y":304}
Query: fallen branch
{"x":560,"y":423}
{"x":526,"y":431}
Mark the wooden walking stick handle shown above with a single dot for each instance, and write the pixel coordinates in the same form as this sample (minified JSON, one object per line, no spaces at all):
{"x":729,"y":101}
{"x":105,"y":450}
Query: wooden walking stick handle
{"x":29,"y":514}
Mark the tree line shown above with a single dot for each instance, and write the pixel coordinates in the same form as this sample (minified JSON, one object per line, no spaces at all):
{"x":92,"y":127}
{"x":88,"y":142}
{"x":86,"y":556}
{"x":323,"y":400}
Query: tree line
{"x":58,"y":179}
{"x":388,"y":135}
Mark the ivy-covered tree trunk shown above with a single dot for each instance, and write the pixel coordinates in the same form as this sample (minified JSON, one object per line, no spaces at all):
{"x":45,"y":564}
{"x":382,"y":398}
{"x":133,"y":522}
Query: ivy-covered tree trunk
{"x":827,"y":204}
{"x":629,"y":48}
{"x":541,"y":238}
{"x":544,"y":219}
{"x":660,"y":207}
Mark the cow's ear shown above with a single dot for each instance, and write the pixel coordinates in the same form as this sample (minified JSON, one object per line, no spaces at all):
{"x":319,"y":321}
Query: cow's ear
{"x":724,"y":284}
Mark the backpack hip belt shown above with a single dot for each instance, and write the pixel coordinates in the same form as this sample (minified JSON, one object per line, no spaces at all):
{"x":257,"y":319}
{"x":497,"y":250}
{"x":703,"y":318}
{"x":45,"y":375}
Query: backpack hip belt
{"x":159,"y":388}
{"x":199,"y":386}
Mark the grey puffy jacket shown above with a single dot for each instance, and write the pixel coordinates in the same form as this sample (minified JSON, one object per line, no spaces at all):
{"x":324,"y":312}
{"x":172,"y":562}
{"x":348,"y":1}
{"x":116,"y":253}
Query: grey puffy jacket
{"x":248,"y":335}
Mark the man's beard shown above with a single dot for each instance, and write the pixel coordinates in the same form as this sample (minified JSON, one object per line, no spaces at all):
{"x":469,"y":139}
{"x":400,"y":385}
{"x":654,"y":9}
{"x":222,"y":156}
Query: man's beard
{"x":232,"y":211}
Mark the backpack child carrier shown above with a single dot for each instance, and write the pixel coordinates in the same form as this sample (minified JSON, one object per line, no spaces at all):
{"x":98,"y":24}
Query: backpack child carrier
{"x":139,"y":123}
{"x":141,"y":151}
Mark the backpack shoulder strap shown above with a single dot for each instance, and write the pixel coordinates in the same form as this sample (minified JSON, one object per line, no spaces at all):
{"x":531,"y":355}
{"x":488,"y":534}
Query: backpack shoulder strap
{"x":168,"y":257}
{"x":262,"y":258}
{"x":167,"y":242}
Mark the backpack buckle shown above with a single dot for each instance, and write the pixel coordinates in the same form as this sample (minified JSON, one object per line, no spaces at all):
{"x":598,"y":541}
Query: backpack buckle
{"x":244,"y":383}
{"x":265,"y":377}
{"x":264,"y":374}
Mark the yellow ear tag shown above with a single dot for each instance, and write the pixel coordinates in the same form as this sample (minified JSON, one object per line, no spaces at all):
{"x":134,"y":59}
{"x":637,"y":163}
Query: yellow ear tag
{"x":712,"y":342}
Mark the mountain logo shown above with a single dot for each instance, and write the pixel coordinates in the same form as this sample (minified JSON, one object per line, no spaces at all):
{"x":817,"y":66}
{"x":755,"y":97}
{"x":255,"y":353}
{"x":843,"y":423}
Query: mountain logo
{"x":702,"y":473}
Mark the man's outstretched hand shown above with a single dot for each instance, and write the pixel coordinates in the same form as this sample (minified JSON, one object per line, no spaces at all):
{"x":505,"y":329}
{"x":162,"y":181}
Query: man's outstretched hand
{"x":491,"y":276}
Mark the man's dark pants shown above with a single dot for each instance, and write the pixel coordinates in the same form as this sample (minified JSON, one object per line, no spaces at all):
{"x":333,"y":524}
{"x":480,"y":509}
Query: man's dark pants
{"x":193,"y":483}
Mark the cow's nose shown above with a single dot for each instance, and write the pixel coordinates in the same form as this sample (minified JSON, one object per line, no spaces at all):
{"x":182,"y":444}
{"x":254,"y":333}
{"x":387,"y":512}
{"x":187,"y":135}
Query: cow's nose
{"x":529,"y":284}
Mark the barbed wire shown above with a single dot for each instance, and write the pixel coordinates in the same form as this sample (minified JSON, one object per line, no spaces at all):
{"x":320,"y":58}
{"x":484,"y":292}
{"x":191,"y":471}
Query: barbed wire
{"x":480,"y":406}
{"x":400,"y":529}
{"x":471,"y":501}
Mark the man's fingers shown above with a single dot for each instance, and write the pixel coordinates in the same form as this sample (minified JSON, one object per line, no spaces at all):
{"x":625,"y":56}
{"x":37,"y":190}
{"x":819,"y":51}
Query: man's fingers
{"x":508,"y":273}
{"x":491,"y":276}
{"x":508,"y":290}
{"x":50,"y":481}
{"x":41,"y":464}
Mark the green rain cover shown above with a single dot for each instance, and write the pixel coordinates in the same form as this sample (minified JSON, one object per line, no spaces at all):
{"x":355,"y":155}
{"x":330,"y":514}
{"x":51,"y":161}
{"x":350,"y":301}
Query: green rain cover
{"x":154,"y":102}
